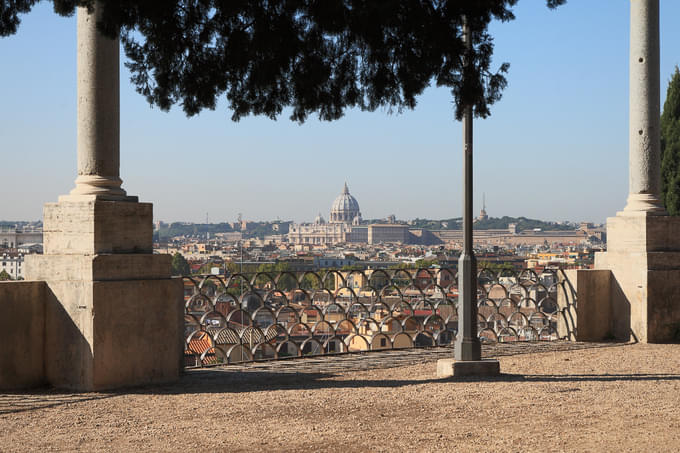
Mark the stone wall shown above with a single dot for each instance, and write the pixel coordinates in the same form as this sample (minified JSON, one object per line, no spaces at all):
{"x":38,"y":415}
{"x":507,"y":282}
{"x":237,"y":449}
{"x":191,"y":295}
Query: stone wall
{"x":589,"y":309}
{"x":22,"y":334}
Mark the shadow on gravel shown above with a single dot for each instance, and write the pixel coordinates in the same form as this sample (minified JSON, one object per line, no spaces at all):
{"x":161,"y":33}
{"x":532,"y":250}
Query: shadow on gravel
{"x":230,"y":382}
{"x":12,"y":403}
{"x":591,"y":377}
{"x":218,"y":381}
{"x":310,"y":374}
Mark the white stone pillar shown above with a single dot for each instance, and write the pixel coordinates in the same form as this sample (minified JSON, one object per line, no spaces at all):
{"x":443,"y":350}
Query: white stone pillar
{"x":643,"y":244}
{"x":98,"y":111}
{"x":644,"y":124}
{"x":113,"y":315}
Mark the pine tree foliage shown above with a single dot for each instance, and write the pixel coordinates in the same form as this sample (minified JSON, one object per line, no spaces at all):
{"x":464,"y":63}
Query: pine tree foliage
{"x":320,"y":56}
{"x":670,"y":146}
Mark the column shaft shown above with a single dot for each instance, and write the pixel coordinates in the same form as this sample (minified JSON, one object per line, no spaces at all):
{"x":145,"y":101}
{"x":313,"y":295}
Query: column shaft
{"x":644,"y":124}
{"x":98,"y":111}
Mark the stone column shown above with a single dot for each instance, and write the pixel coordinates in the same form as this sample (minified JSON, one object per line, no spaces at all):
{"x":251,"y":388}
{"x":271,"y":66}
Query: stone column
{"x":113,"y":315}
{"x":98,"y":112}
{"x":643,"y":244}
{"x":644,"y":115}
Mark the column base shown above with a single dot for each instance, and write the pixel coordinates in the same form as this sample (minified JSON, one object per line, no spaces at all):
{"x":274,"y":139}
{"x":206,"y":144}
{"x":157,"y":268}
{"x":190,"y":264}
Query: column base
{"x":113,"y":315}
{"x":643,"y":254}
{"x":447,"y":368}
{"x":110,"y":321}
{"x":643,"y":204}
{"x":89,"y":225}
{"x":101,"y":187}
{"x":78,"y":198}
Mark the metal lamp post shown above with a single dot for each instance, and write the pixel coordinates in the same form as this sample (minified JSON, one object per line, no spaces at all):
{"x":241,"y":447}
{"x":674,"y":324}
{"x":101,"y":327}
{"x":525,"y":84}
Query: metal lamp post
{"x":467,"y":348}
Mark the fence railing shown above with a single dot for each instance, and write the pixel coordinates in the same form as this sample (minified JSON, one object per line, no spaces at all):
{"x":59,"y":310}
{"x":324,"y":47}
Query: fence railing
{"x":262,"y":316}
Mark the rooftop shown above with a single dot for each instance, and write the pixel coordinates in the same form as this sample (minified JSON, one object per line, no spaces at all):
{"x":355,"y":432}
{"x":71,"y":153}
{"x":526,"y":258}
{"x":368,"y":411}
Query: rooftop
{"x":553,"y":396}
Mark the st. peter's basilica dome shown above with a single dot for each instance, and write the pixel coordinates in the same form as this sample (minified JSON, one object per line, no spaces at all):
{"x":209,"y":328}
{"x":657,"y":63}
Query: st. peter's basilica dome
{"x":345,"y":208}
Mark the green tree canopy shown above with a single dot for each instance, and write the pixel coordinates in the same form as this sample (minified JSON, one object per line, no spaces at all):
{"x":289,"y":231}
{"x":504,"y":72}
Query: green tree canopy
{"x":495,"y":266}
{"x":180,"y":266}
{"x":286,"y":282}
{"x":670,"y":146}
{"x":310,"y":55}
{"x":4,"y":276}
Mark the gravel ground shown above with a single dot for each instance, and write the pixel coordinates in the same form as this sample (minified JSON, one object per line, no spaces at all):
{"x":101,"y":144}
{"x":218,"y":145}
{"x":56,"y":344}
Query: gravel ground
{"x":617,"y":398}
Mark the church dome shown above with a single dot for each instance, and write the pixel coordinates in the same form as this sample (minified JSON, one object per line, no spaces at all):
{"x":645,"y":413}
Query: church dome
{"x":345,"y":208}
{"x":319,"y":220}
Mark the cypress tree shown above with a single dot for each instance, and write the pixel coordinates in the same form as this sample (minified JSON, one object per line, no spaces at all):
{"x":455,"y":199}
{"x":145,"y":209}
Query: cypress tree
{"x":670,"y":146}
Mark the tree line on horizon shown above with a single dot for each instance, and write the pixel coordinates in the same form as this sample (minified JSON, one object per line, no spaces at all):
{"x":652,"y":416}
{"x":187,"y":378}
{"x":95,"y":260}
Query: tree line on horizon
{"x":492,"y":223}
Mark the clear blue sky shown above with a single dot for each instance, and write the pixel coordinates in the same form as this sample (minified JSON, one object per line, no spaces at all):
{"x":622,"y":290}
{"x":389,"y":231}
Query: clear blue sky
{"x":555,"y":147}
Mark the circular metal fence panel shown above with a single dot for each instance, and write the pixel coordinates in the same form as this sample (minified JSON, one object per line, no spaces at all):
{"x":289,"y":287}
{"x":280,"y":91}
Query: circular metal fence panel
{"x":268,"y":316}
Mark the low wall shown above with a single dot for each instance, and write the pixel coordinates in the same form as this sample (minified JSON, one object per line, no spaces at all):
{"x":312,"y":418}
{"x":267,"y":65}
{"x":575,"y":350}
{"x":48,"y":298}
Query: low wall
{"x":586,"y":305}
{"x":22,"y":334}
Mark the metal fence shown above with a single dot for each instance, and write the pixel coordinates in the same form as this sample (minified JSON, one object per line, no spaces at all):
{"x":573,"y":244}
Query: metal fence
{"x":261,"y":316}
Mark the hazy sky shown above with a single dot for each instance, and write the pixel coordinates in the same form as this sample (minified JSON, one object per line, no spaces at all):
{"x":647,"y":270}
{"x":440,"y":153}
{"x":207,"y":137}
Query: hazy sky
{"x":555,"y":147}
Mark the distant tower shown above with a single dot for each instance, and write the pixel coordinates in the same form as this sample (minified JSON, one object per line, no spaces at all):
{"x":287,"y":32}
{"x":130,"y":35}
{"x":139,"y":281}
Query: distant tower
{"x":482,"y":214}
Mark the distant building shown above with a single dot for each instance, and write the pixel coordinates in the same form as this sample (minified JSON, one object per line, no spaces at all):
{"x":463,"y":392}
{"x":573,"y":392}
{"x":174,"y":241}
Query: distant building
{"x":233,"y":236}
{"x":344,"y":225}
{"x":378,"y":233}
{"x":12,"y":264}
{"x":334,"y":262}
{"x":246,"y":225}
{"x":11,"y":238}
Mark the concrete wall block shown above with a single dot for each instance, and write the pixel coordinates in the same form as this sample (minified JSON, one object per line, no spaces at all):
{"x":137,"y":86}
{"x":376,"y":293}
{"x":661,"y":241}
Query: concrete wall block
{"x":586,"y":305}
{"x":74,"y":217}
{"x":123,"y":227}
{"x":643,"y":233}
{"x":626,"y":233}
{"x":628,"y":292}
{"x":58,"y":267}
{"x":69,"y":333}
{"x":663,"y":306}
{"x":138,"y":327}
{"x":594,"y":309}
{"x":131,"y":266}
{"x":111,"y":334}
{"x":663,"y":233}
{"x":97,"y":267}
{"x":95,"y":227}
{"x":22,"y":334}
{"x":566,"y":302}
{"x":644,"y":257}
{"x":662,"y":261}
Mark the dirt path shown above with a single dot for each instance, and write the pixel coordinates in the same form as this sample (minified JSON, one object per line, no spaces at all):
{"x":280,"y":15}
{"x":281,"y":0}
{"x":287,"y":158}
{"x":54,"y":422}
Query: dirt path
{"x":622,"y":398}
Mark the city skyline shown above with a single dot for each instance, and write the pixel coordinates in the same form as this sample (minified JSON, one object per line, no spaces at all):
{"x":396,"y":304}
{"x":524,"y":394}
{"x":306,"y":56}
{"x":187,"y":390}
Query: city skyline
{"x":540,"y":154}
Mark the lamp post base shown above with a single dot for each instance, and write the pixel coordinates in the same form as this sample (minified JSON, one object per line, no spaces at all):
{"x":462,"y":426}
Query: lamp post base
{"x":452,"y":368}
